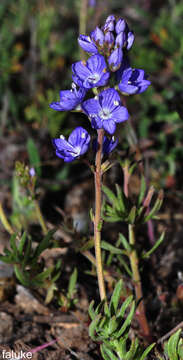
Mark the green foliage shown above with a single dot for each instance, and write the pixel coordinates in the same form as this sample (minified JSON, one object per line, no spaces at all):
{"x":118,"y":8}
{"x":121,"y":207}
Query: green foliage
{"x":174,"y":346}
{"x":25,"y":258}
{"x":120,"y":208}
{"x":68,"y":300}
{"x":110,"y":326}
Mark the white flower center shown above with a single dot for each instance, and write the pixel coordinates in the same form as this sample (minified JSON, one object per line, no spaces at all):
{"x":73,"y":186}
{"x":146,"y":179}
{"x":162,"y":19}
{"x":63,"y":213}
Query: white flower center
{"x":105,"y":114}
{"x":76,"y":151}
{"x":116,"y":102}
{"x":83,"y":135}
{"x":62,"y":137}
{"x":94,"y":78}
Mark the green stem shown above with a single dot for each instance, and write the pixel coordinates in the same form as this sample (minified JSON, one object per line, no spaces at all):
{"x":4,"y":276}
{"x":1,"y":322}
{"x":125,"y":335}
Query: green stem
{"x":82,"y":23}
{"x":138,"y":287}
{"x":40,"y":217}
{"x":97,"y":219}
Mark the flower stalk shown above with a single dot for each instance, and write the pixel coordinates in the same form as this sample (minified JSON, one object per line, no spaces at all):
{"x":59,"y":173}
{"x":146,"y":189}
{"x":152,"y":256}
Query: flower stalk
{"x":40,"y":217}
{"x":97,"y":218}
{"x":141,"y":314}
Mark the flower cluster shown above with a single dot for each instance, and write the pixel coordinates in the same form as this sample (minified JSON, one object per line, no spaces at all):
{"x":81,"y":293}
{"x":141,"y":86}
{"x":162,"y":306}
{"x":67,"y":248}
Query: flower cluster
{"x":107,"y":48}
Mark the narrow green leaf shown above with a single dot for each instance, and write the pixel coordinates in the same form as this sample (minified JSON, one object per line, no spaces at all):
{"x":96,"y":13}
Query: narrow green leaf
{"x":120,"y":197}
{"x":172,"y":346}
{"x":72,"y":283}
{"x":109,"y":352}
{"x":13,"y":245}
{"x":124,"y":306}
{"x":124,"y":264}
{"x":156,"y":245}
{"x":93,"y":326}
{"x":44,"y":244}
{"x":132,"y":351}
{"x":147,"y":351}
{"x":21,"y":276}
{"x":154,"y":210}
{"x":111,"y":197}
{"x":121,"y":346}
{"x":180,"y":348}
{"x":104,"y":355}
{"x":111,"y":248}
{"x":128,"y":320}
{"x":34,"y":157}
{"x":112,"y":325}
{"x":43,"y":275}
{"x":125,"y":243}
{"x":22,"y":243}
{"x":91,"y":310}
{"x":115,"y":297}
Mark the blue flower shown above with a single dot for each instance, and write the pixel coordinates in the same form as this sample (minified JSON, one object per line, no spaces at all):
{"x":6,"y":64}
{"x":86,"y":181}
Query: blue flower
{"x":69,"y":99}
{"x":87,"y":44}
{"x":77,"y":144}
{"x":91,"y":73}
{"x":108,"y":145}
{"x":133,"y":81}
{"x":105,"y":110}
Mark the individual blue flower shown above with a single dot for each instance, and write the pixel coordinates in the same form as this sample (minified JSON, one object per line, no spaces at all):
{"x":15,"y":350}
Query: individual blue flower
{"x":133,"y":81}
{"x":69,"y":99}
{"x":105,"y":110}
{"x":91,"y":73}
{"x":97,"y":36}
{"x":87,"y":44}
{"x":108,"y":145}
{"x":77,"y":144}
{"x":115,"y":59}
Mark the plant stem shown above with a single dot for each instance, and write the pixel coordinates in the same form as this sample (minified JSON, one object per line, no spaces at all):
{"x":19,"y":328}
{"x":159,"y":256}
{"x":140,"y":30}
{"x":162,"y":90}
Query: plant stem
{"x":82,"y":23}
{"x":40,"y":217}
{"x":5,"y":222}
{"x":97,"y":219}
{"x":138,"y":287}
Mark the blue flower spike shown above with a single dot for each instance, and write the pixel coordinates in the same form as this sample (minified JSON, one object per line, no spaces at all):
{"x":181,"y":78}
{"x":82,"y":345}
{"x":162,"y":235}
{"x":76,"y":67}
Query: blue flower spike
{"x":91,"y":73}
{"x":105,"y":110}
{"x":77,"y":144}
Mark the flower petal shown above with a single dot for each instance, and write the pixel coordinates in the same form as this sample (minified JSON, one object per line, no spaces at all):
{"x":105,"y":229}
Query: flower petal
{"x":109,"y":99}
{"x":109,"y":126}
{"x":79,"y":137}
{"x":120,"y":114}
{"x":91,"y":107}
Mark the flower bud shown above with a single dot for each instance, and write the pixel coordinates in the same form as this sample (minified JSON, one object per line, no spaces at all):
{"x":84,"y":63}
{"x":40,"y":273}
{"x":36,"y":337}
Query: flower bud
{"x":98,"y":36}
{"x":115,"y":59}
{"x":120,"y":25}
